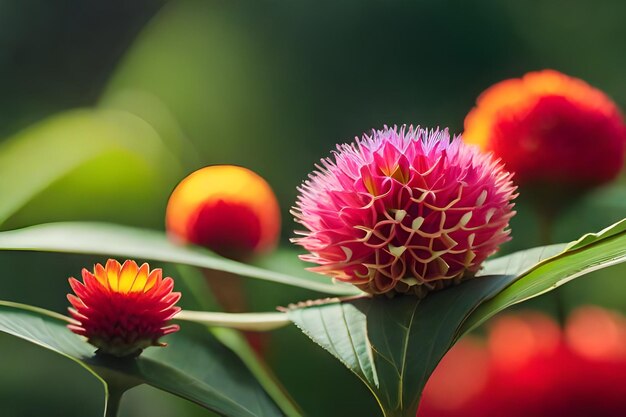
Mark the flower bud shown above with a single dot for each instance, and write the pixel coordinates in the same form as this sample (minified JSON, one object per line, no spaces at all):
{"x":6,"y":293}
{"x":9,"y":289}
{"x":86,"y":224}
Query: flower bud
{"x":228,"y":209}
{"x":123,"y":309}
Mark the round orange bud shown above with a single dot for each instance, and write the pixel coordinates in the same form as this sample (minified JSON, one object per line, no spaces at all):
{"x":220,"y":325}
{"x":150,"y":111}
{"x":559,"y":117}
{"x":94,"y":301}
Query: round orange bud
{"x":551,"y":129}
{"x":226,"y":208}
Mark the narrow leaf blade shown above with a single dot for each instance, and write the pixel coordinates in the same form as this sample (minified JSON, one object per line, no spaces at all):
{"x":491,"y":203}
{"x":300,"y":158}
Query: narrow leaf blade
{"x":587,"y":254}
{"x":129,"y":242}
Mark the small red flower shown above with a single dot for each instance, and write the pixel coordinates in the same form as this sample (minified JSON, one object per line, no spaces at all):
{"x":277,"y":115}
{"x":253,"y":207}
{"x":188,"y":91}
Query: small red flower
{"x":549,"y":128}
{"x":123,"y":309}
{"x":228,"y":209}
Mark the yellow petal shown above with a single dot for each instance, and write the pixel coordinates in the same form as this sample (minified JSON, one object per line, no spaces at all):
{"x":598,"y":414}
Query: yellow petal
{"x":101,"y":275}
{"x":113,"y":273}
{"x":153,"y":279}
{"x":141,"y":279}
{"x":127,"y":276}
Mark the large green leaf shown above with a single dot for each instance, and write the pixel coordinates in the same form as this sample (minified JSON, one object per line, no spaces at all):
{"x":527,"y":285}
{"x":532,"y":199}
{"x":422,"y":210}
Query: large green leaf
{"x":128,"y":242}
{"x":194,"y":366}
{"x":198,"y":295}
{"x":393,"y":345}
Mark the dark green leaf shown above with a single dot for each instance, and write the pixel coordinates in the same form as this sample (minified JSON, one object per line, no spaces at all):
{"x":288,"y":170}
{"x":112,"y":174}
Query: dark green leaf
{"x":194,"y":366}
{"x":200,"y":296}
{"x":393,"y":345}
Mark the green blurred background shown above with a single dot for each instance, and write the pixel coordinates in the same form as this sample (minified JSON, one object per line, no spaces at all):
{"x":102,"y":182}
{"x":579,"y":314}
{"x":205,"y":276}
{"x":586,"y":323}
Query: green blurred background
{"x":106,"y":105}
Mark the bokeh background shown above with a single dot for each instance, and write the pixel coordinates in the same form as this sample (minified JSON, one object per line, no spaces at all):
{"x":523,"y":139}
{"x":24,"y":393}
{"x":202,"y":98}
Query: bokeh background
{"x":106,"y":105}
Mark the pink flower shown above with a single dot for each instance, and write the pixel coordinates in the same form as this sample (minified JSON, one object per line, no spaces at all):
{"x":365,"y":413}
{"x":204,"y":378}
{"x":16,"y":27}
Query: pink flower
{"x":404,"y":211}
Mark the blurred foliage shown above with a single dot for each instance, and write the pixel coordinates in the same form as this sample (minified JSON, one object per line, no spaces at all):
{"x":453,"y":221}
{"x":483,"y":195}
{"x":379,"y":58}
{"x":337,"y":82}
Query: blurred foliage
{"x":85,"y":164}
{"x":271,"y":85}
{"x":27,"y":392}
{"x":58,"y":55}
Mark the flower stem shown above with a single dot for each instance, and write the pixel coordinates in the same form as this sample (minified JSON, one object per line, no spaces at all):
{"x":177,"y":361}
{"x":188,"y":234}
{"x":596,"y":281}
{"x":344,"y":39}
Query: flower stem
{"x":258,"y":322}
{"x":546,"y":226}
{"x":547,"y":217}
{"x":112,"y":404}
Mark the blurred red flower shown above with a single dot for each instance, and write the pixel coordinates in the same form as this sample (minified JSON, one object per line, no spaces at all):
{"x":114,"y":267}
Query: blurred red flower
{"x":226,"y":208}
{"x":528,"y":366}
{"x":550,"y":128}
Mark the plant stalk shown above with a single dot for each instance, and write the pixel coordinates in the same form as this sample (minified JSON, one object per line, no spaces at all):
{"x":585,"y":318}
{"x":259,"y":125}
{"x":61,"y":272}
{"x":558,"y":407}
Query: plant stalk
{"x":547,"y":218}
{"x":114,"y":397}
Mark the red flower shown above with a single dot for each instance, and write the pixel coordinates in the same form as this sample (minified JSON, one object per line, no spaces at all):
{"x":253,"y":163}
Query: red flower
{"x":529,"y":367}
{"x":226,"y":208}
{"x":550,"y":128}
{"x":122,"y":309}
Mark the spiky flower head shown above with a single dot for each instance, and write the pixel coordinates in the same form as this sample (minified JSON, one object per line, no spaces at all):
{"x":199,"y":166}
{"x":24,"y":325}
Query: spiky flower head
{"x":406,"y":211}
{"x":123,"y":309}
{"x":226,"y":208}
{"x":550,"y":130}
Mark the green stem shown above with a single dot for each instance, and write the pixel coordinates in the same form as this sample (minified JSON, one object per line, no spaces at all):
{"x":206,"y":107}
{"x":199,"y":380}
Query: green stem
{"x":203,"y":297}
{"x":399,"y":413}
{"x":257,"y":322}
{"x":547,"y":217}
{"x":546,"y":225}
{"x":114,"y":396}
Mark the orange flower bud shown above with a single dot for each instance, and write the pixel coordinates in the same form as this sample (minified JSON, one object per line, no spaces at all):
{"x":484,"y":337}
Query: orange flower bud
{"x":228,"y":209}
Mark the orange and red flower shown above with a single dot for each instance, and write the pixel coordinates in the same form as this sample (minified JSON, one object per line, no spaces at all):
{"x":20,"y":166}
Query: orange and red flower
{"x":228,"y":209}
{"x":528,"y":366}
{"x":123,"y":309}
{"x":550,"y":128}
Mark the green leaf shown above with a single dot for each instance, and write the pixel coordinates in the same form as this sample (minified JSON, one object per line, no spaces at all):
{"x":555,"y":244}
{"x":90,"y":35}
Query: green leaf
{"x":519,"y":262}
{"x":393,"y":345}
{"x":200,"y":296}
{"x":590,"y":238}
{"x":589,"y":253}
{"x":194,"y":366}
{"x":128,"y":242}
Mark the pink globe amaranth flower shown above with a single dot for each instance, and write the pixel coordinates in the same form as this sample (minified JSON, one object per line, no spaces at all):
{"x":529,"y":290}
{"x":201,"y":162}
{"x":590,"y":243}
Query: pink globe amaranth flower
{"x":404,"y":211}
{"x":123,"y":309}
